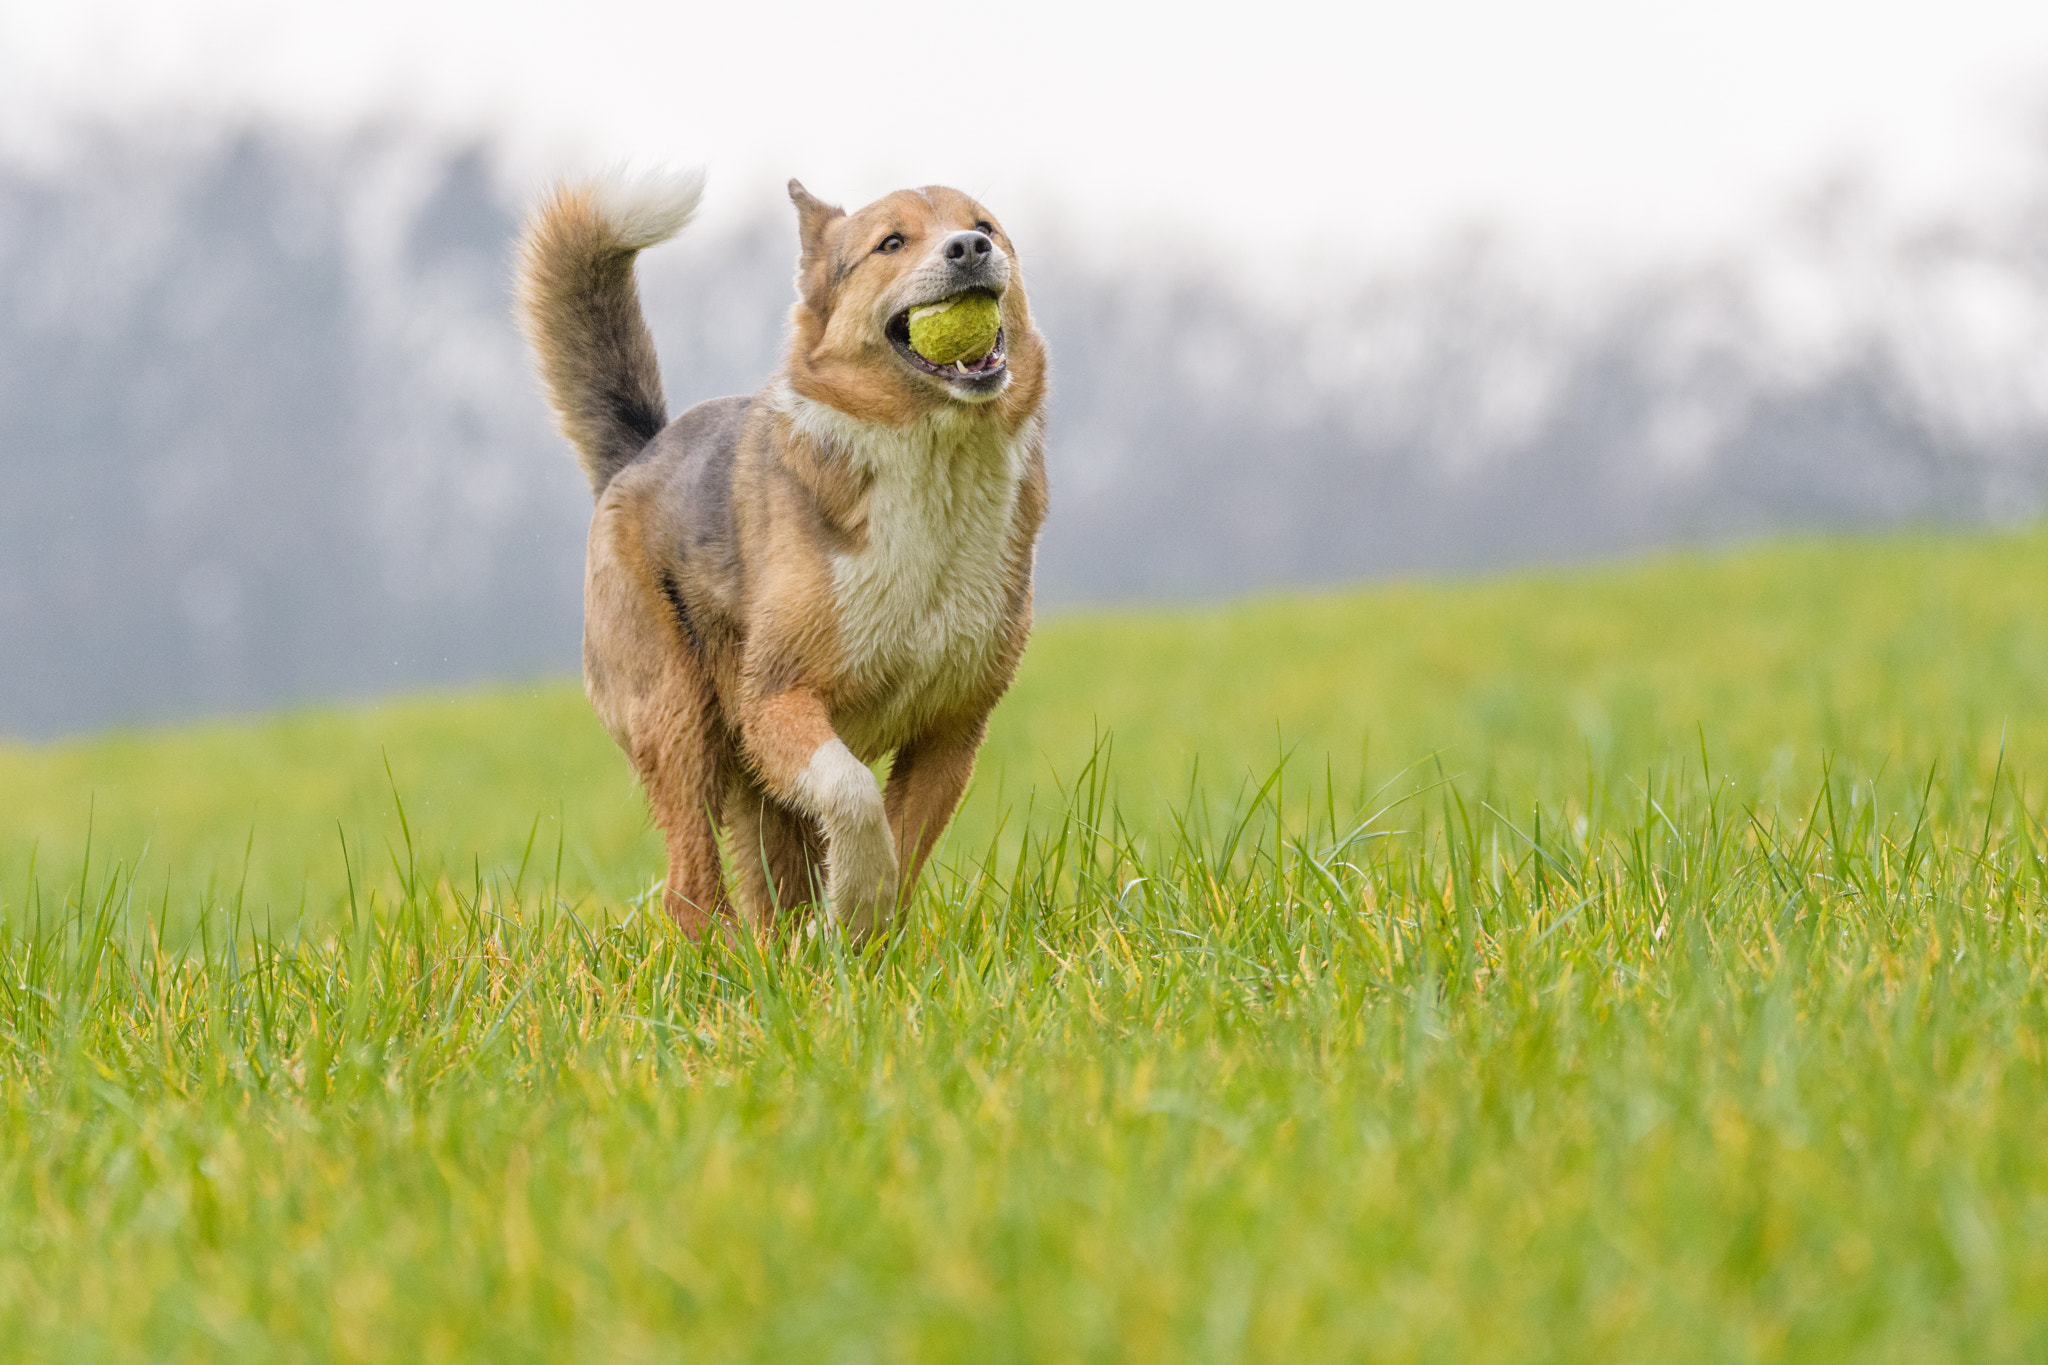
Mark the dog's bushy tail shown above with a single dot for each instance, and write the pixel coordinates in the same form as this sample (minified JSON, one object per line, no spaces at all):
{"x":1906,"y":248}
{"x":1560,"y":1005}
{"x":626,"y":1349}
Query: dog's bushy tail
{"x":578,"y":306}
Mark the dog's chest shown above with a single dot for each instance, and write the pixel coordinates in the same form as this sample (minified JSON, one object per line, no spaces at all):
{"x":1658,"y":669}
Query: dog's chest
{"x":923,"y":605}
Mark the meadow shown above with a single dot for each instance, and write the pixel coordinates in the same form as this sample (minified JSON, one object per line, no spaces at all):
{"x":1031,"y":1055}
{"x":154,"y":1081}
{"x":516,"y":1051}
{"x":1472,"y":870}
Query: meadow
{"x":1631,"y":962}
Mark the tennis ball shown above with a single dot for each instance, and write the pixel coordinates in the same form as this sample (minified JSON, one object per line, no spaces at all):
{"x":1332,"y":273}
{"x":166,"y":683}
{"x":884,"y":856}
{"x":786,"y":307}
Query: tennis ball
{"x":963,"y":327}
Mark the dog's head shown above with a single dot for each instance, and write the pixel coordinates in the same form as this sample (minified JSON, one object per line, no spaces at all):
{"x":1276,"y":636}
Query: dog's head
{"x":859,"y":276}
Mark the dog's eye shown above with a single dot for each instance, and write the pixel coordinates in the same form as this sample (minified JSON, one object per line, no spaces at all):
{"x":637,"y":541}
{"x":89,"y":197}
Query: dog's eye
{"x":893,"y":242}
{"x":986,"y":226}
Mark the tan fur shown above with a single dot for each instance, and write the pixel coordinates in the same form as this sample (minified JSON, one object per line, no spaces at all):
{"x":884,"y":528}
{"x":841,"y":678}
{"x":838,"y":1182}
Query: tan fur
{"x":784,"y":588}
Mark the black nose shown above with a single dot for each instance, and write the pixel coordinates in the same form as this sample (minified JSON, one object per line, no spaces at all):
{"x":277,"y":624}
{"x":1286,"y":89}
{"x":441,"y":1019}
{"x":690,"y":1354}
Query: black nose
{"x":968,"y":248}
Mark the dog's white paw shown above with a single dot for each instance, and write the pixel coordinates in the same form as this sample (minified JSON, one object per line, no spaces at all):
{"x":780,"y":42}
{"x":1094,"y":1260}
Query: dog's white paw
{"x":860,"y":853}
{"x":860,"y":880}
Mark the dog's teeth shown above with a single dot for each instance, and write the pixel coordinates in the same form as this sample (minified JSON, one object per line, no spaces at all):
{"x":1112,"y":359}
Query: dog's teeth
{"x":961,"y":366}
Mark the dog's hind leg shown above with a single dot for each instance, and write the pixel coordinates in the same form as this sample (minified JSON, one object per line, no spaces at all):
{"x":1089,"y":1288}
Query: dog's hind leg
{"x":778,"y":855}
{"x":676,"y":751}
{"x":655,"y":695}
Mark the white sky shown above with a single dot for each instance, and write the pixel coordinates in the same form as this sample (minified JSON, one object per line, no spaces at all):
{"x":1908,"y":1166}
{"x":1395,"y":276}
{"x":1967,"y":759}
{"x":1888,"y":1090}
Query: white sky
{"x":1289,"y":127}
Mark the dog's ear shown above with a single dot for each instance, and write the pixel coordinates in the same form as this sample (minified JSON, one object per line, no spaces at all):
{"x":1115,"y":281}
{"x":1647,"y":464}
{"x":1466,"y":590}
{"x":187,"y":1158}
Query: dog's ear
{"x":812,"y":216}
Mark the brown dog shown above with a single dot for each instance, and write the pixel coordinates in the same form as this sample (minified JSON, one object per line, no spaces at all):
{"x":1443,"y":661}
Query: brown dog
{"x":786,"y":586}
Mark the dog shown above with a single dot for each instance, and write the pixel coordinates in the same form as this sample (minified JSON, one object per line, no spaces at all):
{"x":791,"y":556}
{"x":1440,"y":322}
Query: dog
{"x":787,"y":586}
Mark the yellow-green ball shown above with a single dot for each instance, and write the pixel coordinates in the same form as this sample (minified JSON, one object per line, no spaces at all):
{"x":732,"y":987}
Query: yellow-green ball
{"x":963,"y":327}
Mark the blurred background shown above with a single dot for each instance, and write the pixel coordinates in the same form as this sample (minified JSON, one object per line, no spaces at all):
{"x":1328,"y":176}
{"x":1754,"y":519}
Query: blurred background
{"x":1334,"y":292}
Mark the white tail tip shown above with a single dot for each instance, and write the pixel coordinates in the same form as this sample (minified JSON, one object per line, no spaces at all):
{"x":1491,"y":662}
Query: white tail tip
{"x":647,"y":207}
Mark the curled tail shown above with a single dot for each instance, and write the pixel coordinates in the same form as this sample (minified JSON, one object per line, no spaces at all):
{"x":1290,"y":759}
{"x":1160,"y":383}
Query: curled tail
{"x":578,"y":306}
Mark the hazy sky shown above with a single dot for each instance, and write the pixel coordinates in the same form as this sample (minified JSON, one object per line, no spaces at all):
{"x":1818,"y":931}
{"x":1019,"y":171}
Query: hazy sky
{"x":1297,"y":128}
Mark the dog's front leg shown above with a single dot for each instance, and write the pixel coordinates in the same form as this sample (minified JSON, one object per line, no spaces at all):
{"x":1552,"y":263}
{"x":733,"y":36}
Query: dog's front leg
{"x":802,"y":760}
{"x":926,"y":783}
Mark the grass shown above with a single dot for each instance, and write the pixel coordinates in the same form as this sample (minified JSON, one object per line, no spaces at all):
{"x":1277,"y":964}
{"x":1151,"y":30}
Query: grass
{"x":1642,"y":962}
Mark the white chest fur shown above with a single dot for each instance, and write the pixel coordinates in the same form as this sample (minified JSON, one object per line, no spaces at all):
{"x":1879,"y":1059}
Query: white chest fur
{"x":923,"y":604}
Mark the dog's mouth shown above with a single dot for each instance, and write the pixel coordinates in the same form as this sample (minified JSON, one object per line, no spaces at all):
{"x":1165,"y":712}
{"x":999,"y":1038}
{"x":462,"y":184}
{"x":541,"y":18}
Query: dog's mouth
{"x":975,"y":376}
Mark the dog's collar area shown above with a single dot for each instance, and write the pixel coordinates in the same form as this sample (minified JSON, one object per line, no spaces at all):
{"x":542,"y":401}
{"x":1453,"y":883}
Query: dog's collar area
{"x":973,"y":375}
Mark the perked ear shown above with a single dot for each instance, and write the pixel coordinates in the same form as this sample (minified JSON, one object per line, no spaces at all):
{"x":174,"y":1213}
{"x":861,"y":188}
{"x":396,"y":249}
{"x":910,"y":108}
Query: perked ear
{"x":812,"y":214}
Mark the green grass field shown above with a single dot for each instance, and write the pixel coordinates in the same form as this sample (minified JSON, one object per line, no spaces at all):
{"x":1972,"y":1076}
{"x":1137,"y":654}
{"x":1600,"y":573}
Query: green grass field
{"x":1632,"y":963}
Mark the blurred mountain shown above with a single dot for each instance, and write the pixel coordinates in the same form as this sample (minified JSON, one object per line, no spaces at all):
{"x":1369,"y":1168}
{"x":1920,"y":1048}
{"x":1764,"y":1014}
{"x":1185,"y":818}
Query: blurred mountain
{"x":266,"y":432}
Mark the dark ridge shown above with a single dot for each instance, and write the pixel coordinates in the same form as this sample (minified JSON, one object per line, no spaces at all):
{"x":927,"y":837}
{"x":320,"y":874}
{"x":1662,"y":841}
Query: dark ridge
{"x":674,"y":594}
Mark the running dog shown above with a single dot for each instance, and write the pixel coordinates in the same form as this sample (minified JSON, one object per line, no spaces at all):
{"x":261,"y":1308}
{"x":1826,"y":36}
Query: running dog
{"x":786,"y":586}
